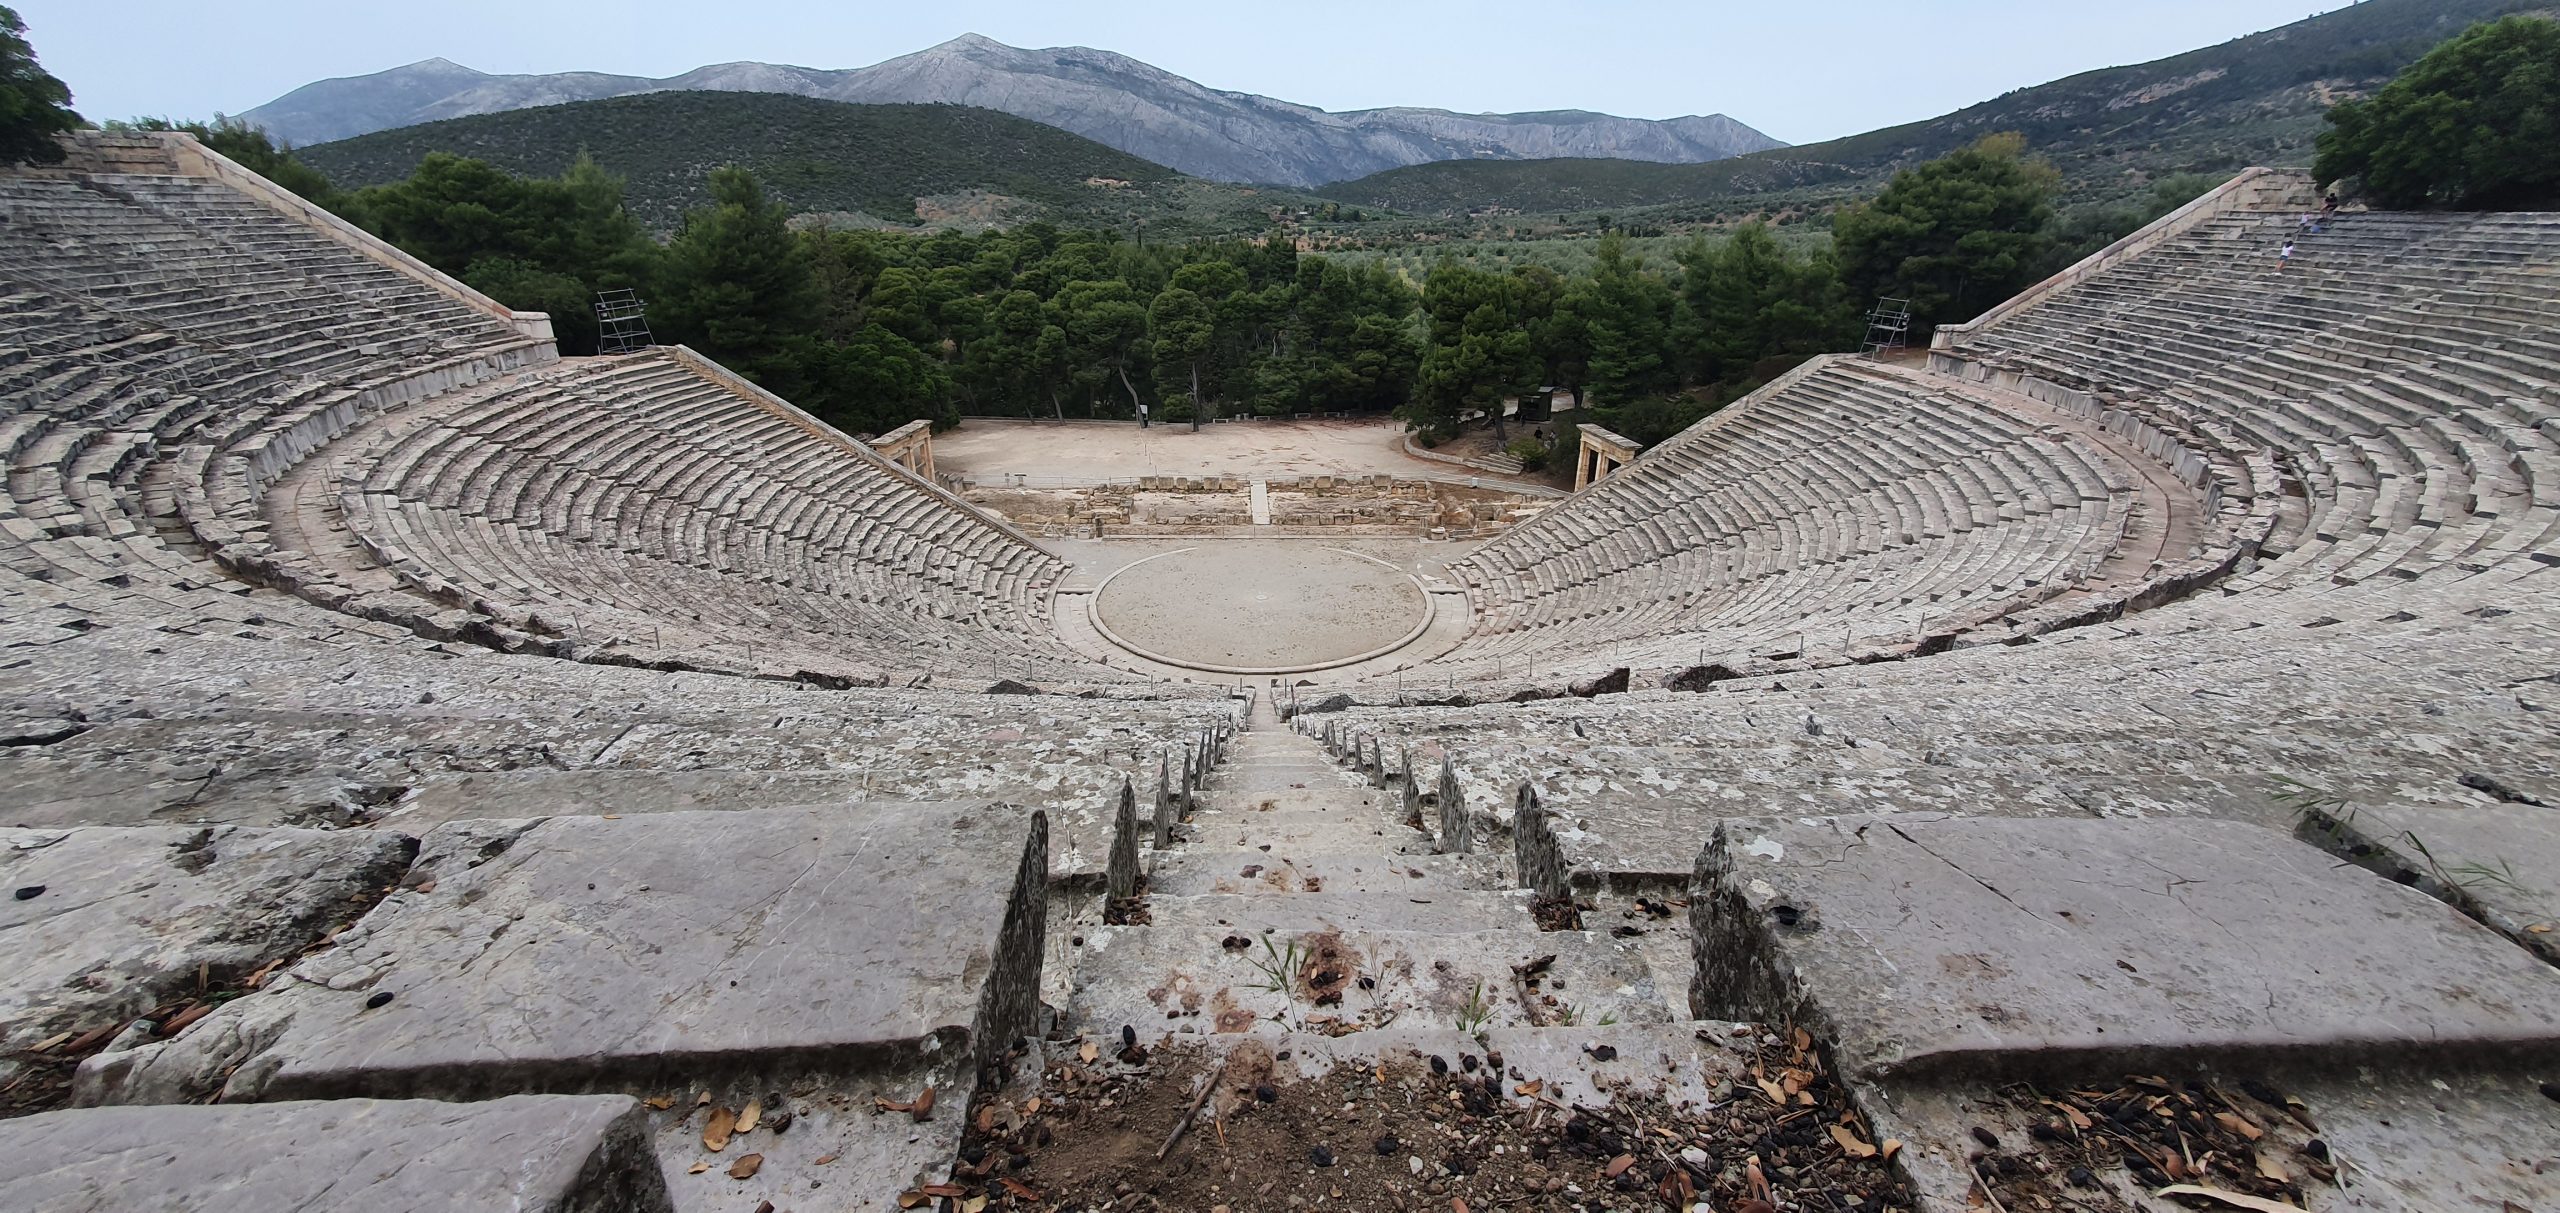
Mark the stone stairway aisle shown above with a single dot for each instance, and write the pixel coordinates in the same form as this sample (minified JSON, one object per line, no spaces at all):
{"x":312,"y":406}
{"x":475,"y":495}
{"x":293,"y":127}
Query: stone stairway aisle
{"x":1298,"y":901}
{"x":1341,"y":1010}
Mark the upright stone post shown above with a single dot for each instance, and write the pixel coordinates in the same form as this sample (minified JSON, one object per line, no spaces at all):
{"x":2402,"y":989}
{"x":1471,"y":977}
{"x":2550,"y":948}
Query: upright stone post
{"x":1164,"y":805}
{"x":1457,"y":832}
{"x":1190,"y":782}
{"x":1535,"y":849}
{"x":1412,"y":793}
{"x":1377,"y":762}
{"x":1120,"y":879}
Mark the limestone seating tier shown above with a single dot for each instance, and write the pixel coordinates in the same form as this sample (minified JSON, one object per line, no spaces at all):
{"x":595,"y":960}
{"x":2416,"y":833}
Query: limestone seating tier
{"x":1850,"y":510}
{"x":633,"y":498}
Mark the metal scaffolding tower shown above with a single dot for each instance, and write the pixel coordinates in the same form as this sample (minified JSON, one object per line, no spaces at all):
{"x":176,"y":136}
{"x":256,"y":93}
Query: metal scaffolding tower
{"x":1888,"y":328}
{"x":622,"y":324}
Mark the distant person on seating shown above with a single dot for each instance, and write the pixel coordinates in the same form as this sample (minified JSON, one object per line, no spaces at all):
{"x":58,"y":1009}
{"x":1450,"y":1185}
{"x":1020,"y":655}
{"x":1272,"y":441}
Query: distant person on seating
{"x":2311,"y":224}
{"x":2284,"y":256}
{"x":2329,"y":206}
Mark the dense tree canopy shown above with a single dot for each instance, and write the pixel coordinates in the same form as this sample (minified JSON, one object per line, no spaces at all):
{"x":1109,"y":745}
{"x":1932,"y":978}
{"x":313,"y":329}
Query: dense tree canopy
{"x":34,"y":107}
{"x":2475,"y":125}
{"x":871,"y":328}
{"x":1953,"y":236}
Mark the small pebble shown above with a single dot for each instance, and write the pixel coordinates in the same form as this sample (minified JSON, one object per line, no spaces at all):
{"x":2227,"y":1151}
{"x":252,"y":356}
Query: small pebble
{"x":379,"y":998}
{"x":1320,"y":1156}
{"x":30,"y":892}
{"x":1989,"y":1139}
{"x":1693,"y":1156}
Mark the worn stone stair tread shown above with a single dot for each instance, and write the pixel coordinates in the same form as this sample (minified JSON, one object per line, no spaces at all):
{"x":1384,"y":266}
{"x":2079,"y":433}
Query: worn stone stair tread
{"x":1186,"y":980}
{"x":1222,"y":870}
{"x":1420,"y":909}
{"x":1684,"y":1062}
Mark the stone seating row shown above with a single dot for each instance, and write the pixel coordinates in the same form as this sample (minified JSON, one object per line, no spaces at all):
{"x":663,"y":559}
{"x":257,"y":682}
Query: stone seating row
{"x":1840,"y":503}
{"x":2396,"y":376}
{"x":638,"y":491}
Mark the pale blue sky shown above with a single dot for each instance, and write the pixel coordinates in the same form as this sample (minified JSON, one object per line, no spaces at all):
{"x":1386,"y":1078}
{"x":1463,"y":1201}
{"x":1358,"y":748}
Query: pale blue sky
{"x":1800,"y":72}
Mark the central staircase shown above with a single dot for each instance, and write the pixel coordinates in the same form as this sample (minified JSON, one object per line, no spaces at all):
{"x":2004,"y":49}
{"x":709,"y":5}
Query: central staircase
{"x":1300,"y":899}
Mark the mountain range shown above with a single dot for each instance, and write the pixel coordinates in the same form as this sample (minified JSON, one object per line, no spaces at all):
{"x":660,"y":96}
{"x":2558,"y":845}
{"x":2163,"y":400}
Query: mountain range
{"x":1112,"y":99}
{"x":2259,"y":99}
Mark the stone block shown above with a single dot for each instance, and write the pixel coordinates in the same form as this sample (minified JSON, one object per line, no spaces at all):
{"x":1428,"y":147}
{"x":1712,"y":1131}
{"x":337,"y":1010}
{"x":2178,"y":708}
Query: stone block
{"x":535,"y":1153}
{"x":590,"y":953}
{"x":2005,"y":946}
{"x":106,"y":922}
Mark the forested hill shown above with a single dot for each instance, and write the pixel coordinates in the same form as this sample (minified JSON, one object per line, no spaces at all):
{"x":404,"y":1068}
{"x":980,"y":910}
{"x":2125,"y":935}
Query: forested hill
{"x":2254,"y":100}
{"x":895,"y":163}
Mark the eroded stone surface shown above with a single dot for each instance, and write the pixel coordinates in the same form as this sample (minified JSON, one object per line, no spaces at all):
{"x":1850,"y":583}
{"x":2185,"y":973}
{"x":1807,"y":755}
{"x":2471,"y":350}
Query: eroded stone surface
{"x":534,"y":1153}
{"x":2022,"y":945}
{"x":590,"y":952}
{"x":2498,"y":860}
{"x":104,"y":923}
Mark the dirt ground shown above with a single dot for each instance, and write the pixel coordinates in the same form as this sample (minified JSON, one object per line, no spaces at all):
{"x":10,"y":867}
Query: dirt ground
{"x":1457,"y":1133}
{"x":987,"y":449}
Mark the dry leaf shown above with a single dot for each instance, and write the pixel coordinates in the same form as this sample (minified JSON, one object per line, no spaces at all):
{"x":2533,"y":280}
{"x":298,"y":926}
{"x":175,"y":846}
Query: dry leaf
{"x":754,"y":1113}
{"x":2540,"y":928}
{"x":1031,"y":1107}
{"x":1088,"y":1052}
{"x":697,"y":1168}
{"x":1618,"y":1166}
{"x":715,"y":1133}
{"x":702,"y":1099}
{"x":2273,"y":1170}
{"x":2079,"y":1119}
{"x":1457,"y":1205}
{"x":2237,"y":1200}
{"x":923,"y":1108}
{"x":1804,"y":1040}
{"x":1020,"y":1189}
{"x":822,"y":1160}
{"x":660,"y":1103}
{"x":912,"y":1199}
{"x":2239,"y":1124}
{"x":1770,"y":1089}
{"x":745,"y":1167}
{"x":943,"y":1190}
{"x":1531,"y":1087}
{"x":1848,"y":1139}
{"x":974,"y":1204}
{"x":181,"y":1021}
{"x":1891,"y":1147}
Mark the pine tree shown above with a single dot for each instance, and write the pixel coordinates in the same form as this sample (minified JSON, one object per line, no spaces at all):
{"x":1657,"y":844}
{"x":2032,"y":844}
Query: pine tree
{"x":34,"y":107}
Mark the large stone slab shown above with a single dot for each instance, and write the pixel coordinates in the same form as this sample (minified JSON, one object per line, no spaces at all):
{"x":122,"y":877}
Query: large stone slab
{"x":1997,"y":945}
{"x":103,"y":924}
{"x":534,"y":1153}
{"x":2498,"y":861}
{"x":584,"y":953}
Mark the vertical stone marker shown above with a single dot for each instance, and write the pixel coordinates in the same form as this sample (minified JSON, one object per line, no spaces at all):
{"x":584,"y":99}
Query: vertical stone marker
{"x":1457,"y":831}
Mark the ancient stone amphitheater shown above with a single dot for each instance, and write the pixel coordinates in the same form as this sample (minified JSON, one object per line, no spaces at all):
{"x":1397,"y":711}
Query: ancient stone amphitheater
{"x":2110,"y":760}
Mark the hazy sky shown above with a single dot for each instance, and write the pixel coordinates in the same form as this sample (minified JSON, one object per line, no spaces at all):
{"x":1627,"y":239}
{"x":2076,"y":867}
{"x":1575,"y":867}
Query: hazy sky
{"x":1799,"y":72}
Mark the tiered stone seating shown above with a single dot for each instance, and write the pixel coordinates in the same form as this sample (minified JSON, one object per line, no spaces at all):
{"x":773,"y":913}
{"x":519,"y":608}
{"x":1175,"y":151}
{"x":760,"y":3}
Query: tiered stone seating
{"x":642,"y":497}
{"x":2397,"y":377}
{"x":177,"y":347}
{"x":1855,"y":509}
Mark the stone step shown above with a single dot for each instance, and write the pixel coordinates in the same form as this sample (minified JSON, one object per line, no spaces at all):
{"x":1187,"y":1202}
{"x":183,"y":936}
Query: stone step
{"x":1455,"y":911}
{"x":1174,"y":980}
{"x":1251,"y":872}
{"x":1586,"y":1065}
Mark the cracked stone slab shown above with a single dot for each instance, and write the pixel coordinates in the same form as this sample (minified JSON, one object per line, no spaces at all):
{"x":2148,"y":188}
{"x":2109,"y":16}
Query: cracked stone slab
{"x":533,"y":1153}
{"x":2499,"y":862}
{"x":105,"y":923}
{"x":1918,"y":945}
{"x":2405,"y":1141}
{"x":588,"y":953}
